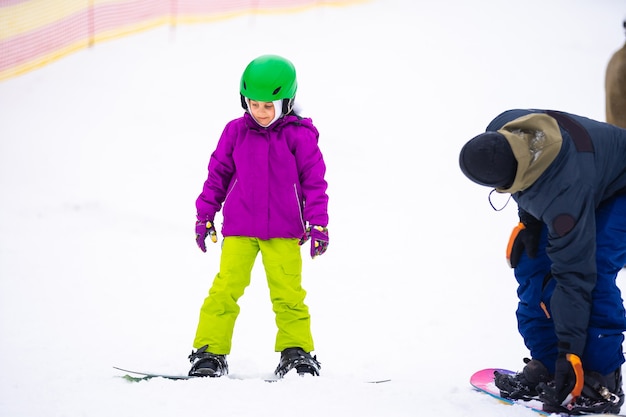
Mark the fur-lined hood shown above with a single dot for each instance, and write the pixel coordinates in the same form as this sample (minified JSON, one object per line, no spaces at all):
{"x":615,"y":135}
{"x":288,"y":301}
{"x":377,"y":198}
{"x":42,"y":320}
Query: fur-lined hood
{"x":536,"y":141}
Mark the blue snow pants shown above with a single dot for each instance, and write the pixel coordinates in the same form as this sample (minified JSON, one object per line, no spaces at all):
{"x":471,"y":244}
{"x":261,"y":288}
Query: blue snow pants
{"x":603,"y":351}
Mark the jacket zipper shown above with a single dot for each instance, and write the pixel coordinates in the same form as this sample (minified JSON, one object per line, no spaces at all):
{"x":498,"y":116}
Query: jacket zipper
{"x":227,"y":195}
{"x":295,"y":190}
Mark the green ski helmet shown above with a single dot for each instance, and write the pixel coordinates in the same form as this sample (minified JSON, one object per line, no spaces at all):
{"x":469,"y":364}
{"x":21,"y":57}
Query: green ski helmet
{"x":269,"y":78}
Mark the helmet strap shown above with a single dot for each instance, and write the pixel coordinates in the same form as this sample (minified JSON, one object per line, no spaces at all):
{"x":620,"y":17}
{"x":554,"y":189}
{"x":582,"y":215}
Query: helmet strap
{"x":287,"y":105}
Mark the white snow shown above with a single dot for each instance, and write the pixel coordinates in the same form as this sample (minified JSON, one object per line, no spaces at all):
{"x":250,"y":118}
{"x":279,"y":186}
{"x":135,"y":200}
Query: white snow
{"x":103,"y":153}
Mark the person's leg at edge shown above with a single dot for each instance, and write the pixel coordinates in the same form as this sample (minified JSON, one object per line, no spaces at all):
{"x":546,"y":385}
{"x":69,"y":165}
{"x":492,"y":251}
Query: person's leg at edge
{"x":603,"y":352}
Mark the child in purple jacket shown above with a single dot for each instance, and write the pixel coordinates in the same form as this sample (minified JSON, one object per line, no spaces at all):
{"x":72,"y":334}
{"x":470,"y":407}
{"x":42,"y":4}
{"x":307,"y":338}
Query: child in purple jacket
{"x":267,"y":176}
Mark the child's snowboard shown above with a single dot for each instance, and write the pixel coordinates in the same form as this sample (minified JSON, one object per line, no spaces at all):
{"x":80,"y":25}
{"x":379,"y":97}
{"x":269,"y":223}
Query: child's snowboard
{"x":483,"y":381}
{"x":144,"y":376}
{"x":136,"y":376}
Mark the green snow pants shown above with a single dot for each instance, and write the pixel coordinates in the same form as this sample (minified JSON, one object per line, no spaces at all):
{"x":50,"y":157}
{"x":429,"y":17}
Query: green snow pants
{"x":283,"y":267}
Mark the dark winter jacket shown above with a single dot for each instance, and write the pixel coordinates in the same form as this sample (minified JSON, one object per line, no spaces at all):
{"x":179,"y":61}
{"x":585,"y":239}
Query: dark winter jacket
{"x":567,"y":166}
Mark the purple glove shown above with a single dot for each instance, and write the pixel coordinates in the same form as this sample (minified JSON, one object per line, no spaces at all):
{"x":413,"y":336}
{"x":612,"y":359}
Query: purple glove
{"x":319,"y":239}
{"x":204,"y":229}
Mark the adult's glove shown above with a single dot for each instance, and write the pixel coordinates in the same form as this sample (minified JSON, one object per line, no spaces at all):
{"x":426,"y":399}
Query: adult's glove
{"x":204,"y":229}
{"x":525,"y":236}
{"x":319,"y":239}
{"x":569,"y":380}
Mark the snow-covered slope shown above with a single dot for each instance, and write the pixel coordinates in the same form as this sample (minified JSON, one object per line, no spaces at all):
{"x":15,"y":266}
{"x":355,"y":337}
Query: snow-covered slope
{"x":103,"y":153}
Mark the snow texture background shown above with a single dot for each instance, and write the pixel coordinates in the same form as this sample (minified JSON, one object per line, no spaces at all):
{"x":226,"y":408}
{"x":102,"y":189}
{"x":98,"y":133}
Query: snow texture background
{"x":103,"y":153}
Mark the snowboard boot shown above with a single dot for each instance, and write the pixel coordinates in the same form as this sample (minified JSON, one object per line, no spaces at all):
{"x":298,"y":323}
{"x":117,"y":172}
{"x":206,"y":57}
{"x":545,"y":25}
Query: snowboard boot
{"x":207,"y":364}
{"x":602,"y":394}
{"x":522,"y":385}
{"x":297,"y":358}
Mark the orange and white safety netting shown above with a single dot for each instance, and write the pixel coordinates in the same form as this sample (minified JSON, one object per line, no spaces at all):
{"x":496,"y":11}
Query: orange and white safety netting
{"x":36,"y":32}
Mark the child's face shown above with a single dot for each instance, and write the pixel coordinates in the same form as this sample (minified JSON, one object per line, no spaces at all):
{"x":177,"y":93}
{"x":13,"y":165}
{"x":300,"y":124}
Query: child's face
{"x":263,"y":112}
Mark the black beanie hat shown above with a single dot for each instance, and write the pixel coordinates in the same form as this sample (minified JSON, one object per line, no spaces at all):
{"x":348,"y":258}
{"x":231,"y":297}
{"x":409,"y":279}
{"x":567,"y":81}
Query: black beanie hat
{"x":488,"y":160}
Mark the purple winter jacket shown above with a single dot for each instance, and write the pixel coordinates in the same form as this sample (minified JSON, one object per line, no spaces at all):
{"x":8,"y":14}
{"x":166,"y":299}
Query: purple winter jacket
{"x":269,"y":181}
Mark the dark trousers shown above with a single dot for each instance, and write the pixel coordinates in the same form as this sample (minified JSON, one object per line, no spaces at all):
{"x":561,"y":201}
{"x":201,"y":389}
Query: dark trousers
{"x":603,"y":351}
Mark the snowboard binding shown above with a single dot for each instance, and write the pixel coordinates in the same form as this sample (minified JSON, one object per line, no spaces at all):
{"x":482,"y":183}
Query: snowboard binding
{"x":297,"y":358}
{"x":207,"y":363}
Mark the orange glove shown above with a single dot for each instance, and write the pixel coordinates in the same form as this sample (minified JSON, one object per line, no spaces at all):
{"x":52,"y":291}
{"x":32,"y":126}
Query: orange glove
{"x":569,"y":380}
{"x":524,"y":237}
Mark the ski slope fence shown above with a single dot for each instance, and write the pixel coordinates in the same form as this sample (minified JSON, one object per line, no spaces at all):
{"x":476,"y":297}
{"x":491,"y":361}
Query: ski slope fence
{"x":34,"y":33}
